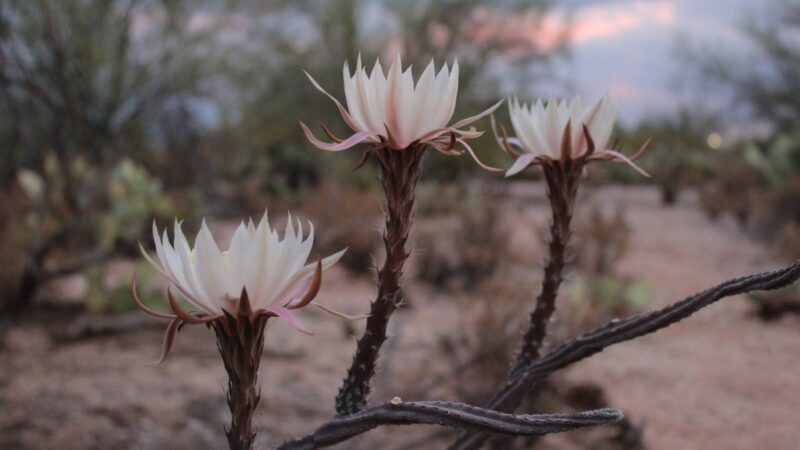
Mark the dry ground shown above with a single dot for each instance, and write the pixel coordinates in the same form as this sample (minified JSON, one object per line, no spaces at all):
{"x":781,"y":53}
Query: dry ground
{"x":720,"y":380}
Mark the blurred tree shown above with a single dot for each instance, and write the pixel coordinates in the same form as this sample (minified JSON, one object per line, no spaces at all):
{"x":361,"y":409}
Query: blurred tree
{"x":489,"y":38}
{"x":83,"y":83}
{"x":86,"y":84}
{"x":679,"y":155}
{"x":766,"y":82}
{"x":89,"y":77}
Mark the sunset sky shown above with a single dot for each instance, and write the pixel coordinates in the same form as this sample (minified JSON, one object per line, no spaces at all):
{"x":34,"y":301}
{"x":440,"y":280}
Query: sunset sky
{"x":624,"y":48}
{"x":627,"y":48}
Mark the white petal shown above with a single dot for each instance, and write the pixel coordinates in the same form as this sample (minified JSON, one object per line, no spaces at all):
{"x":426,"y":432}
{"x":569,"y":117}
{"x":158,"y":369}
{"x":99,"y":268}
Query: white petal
{"x":422,"y":99}
{"x":407,"y":108}
{"x":367,"y":100}
{"x":452,"y":94}
{"x":353,"y":100}
{"x":210,"y":266}
{"x":237,"y":259}
{"x":393,"y":92}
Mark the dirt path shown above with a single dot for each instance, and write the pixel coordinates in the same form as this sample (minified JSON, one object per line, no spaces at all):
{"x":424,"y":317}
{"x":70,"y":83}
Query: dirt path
{"x":721,"y":380}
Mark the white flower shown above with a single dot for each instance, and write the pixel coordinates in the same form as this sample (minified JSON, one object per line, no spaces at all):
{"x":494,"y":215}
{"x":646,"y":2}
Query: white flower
{"x":376,"y":103}
{"x":391,"y":110}
{"x":272,"y":269}
{"x":541,"y":129}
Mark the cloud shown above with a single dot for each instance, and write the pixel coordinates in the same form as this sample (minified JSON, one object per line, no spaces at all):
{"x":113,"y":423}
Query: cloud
{"x":534,"y":31}
{"x":600,"y":21}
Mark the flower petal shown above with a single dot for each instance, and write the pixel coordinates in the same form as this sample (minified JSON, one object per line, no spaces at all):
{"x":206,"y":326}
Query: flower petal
{"x":311,"y":288}
{"x":520,"y":164}
{"x":475,"y":157}
{"x":336,"y":313}
{"x":622,"y":158}
{"x":169,"y":339}
{"x":353,"y":140}
{"x":469,"y":120}
{"x":342,"y":110}
{"x":183,"y":315}
{"x":289,"y":317}
{"x":143,"y":307}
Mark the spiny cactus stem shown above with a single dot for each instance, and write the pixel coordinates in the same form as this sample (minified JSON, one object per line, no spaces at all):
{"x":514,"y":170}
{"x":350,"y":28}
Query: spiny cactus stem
{"x":562,"y":183}
{"x":399,"y":171}
{"x":241,"y":342}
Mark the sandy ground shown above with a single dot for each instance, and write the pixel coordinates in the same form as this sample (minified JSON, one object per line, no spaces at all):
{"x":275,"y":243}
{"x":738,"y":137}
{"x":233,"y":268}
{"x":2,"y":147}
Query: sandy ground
{"x":720,"y":380}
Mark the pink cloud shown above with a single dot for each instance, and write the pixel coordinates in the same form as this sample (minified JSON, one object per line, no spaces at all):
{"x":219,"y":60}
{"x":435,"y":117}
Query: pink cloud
{"x":533,"y":31}
{"x":631,"y":93}
{"x":605,"y":21}
{"x":528,"y":31}
{"x":625,"y":92}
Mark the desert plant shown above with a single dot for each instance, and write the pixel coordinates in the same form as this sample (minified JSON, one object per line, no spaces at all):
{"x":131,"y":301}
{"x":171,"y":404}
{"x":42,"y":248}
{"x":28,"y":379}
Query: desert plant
{"x":598,"y":293}
{"x":16,"y":210}
{"x":398,"y":143}
{"x":113,"y":212}
{"x":779,"y":216}
{"x":777,"y":162}
{"x":679,"y":157}
{"x":104,"y":298}
{"x":235,"y":297}
{"x":731,"y":190}
{"x":759,"y":187}
{"x":81,"y":87}
{"x":597,"y":299}
{"x":562,"y":169}
{"x":134,"y":198}
{"x":261,"y":276}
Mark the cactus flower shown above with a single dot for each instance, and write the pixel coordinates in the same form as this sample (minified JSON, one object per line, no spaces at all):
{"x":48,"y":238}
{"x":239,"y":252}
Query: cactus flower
{"x":261,"y":274}
{"x":559,"y":129}
{"x":392,"y":111}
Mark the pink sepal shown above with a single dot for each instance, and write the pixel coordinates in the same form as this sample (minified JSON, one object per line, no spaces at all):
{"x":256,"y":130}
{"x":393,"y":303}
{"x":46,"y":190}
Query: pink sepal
{"x":355,"y":139}
{"x":289,"y":317}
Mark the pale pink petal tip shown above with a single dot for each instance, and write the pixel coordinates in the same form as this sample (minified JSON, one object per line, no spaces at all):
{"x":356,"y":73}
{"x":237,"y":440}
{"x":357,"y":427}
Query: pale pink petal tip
{"x":340,"y":314}
{"x":289,"y":317}
{"x":622,"y":158}
{"x":520,"y":164}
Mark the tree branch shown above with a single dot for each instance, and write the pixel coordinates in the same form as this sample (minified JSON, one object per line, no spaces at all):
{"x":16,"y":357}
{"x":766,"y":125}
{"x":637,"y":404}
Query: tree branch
{"x":448,"y":414}
{"x":616,"y":331}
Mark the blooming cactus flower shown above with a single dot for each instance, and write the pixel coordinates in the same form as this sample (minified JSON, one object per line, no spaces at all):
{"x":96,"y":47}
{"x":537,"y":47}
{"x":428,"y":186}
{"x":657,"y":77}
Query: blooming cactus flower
{"x":261,"y":273}
{"x":391,"y":110}
{"x":560,"y":129}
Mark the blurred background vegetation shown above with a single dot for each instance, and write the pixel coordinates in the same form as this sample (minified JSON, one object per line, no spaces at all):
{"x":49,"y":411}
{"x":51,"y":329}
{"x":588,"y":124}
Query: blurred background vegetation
{"x":117,"y":112}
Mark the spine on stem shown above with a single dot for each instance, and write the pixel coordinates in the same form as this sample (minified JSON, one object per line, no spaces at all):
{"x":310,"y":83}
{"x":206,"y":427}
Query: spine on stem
{"x":400,"y":171}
